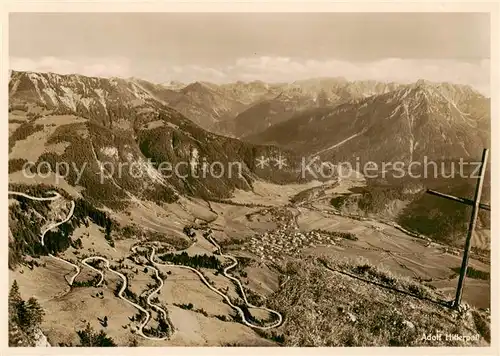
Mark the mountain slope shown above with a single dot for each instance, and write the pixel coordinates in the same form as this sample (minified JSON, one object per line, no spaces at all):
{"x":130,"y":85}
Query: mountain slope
{"x":265,"y":114}
{"x":296,"y":97}
{"x":104,"y":124}
{"x":423,"y":119}
{"x":213,"y":106}
{"x":205,"y":105}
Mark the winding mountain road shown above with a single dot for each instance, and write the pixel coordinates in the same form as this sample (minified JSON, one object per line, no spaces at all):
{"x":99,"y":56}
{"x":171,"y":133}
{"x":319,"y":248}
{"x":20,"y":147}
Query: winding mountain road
{"x":226,"y":298}
{"x":54,"y":225}
{"x":225,"y":272}
{"x":98,"y":271}
{"x":120,"y":295}
{"x":148,"y":300}
{"x":140,"y":328}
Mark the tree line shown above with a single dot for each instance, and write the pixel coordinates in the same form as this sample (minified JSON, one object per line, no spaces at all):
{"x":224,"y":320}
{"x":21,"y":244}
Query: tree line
{"x":26,"y":226}
{"x":196,"y":261}
{"x":25,"y":316}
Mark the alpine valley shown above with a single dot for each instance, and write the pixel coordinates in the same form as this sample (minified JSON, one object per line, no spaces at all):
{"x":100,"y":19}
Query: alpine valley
{"x":200,"y":214}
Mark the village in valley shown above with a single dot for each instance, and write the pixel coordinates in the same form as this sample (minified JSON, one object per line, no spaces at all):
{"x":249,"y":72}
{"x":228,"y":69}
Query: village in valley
{"x":287,"y":239}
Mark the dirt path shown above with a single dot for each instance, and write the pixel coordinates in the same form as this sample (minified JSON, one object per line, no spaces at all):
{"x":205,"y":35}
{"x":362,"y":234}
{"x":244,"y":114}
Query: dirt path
{"x":140,"y":328}
{"x":225,"y":272}
{"x":54,"y":225}
{"x":226,"y":298}
{"x":120,"y":295}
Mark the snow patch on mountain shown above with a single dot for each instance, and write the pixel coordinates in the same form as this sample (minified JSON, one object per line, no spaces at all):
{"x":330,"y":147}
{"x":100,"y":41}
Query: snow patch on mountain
{"x":110,"y":151}
{"x":150,"y":170}
{"x":52,"y":95}
{"x":100,"y":94}
{"x":194,"y":159}
{"x":34,"y":79}
{"x":339,"y":143}
{"x":410,"y":121}
{"x":70,"y":98}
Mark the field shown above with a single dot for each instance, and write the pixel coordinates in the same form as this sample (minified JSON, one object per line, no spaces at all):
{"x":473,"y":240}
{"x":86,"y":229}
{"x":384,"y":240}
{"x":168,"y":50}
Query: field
{"x":408,"y":256}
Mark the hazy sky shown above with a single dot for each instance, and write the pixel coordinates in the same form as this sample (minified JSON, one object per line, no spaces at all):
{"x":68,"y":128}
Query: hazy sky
{"x":223,"y":47}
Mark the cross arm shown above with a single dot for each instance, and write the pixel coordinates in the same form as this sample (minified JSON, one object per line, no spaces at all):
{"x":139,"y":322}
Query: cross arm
{"x":458,"y":199}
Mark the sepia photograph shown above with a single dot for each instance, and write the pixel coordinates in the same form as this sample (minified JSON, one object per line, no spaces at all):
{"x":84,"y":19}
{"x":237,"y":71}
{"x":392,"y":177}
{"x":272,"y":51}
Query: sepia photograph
{"x":260,"y":179}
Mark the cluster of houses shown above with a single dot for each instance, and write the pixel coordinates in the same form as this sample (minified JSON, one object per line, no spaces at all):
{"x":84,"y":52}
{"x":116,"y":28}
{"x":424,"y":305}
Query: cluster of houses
{"x":282,"y":242}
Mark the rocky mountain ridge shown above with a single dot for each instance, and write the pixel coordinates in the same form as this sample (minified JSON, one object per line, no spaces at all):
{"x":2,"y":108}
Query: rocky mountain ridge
{"x":104,"y":123}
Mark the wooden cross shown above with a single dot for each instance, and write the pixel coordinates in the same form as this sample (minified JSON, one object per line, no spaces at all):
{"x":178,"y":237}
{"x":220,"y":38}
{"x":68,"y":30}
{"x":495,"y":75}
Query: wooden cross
{"x":476,"y":205}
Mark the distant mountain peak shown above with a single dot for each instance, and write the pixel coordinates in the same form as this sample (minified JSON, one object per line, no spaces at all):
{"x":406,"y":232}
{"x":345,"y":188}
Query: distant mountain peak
{"x":405,"y":123}
{"x":422,"y":83}
{"x":196,"y":86}
{"x":173,"y":83}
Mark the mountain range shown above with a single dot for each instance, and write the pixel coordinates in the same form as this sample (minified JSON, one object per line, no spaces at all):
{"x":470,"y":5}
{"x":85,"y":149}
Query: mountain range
{"x":132,"y":198}
{"x":240,"y":109}
{"x":116,"y":121}
{"x":133,"y":120}
{"x":424,"y":119}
